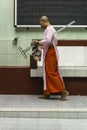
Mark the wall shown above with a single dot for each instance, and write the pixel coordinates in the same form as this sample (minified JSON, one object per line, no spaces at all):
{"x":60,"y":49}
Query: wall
{"x":9,"y":54}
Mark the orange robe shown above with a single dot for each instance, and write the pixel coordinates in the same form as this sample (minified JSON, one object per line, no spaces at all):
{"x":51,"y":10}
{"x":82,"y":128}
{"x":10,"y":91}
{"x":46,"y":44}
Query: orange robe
{"x":54,"y":82}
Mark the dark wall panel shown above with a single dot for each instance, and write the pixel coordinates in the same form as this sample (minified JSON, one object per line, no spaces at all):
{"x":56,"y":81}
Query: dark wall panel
{"x":17,"y":80}
{"x":60,"y":12}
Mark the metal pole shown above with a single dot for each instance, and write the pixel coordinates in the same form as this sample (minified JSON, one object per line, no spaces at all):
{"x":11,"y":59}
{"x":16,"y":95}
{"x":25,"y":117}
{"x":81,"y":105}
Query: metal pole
{"x":59,"y":30}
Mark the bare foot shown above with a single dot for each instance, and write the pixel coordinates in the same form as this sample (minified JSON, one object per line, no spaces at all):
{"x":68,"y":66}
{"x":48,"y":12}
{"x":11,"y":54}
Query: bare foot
{"x":64,"y":95}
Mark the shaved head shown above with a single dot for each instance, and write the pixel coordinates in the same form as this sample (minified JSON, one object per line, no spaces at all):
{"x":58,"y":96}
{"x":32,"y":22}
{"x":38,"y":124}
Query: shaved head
{"x":44,"y":22}
{"x":44,"y":19}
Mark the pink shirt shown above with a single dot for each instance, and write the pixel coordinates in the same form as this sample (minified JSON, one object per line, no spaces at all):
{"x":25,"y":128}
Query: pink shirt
{"x":49,"y":36}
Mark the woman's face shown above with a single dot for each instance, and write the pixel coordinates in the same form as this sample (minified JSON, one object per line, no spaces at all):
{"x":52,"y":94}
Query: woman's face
{"x":43,"y":24}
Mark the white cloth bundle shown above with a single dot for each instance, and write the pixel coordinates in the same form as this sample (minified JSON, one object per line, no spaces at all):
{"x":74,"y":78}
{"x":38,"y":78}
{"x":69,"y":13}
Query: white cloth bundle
{"x":36,"y":53}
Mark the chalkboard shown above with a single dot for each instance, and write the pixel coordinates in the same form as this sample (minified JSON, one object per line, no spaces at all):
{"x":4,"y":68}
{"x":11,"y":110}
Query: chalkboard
{"x":60,"y":12}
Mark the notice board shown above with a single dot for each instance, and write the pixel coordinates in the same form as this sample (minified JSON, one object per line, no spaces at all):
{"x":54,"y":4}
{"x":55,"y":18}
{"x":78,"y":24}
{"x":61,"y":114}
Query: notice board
{"x":60,"y":12}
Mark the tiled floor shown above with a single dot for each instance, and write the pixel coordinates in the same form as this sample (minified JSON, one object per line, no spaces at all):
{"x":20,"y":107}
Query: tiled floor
{"x":32,"y":101}
{"x":55,"y":114}
{"x":26,"y":106}
{"x":42,"y":124}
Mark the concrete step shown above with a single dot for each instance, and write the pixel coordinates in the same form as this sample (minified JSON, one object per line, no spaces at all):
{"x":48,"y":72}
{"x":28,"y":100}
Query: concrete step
{"x":42,"y":124}
{"x":30,"y":106}
{"x":43,"y":113}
